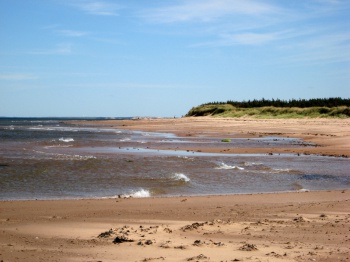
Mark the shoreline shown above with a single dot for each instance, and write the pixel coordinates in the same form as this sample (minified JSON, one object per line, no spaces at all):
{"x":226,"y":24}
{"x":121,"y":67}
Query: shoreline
{"x":275,"y":226}
{"x":330,"y":136}
{"x":174,"y":196}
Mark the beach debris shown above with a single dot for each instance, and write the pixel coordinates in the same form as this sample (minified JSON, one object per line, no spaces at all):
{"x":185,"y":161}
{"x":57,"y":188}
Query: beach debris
{"x":168,"y":230}
{"x":196,"y":258}
{"x":299,"y":219}
{"x":151,"y":258}
{"x":165,"y":245}
{"x":219,"y":244}
{"x":198,"y":243}
{"x":182,"y":247}
{"x":147,"y":242}
{"x":106,"y":234}
{"x":121,"y":239}
{"x":323,"y":216}
{"x":248,"y":247}
{"x":226,"y":140}
{"x":193,"y":226}
{"x":274,"y":254}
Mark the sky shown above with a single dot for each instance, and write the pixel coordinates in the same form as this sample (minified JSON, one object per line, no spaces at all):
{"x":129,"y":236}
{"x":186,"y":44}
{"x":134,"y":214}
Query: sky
{"x":160,"y":58}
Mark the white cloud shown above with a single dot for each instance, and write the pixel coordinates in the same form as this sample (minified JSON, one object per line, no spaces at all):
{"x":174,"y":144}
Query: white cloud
{"x":72,"y":33}
{"x":249,"y":38}
{"x":94,"y":7}
{"x":207,"y":10}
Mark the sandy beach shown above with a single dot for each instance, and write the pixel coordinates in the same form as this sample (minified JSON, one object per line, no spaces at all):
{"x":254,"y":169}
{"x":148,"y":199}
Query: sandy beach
{"x":296,"y":226}
{"x":331,"y":136}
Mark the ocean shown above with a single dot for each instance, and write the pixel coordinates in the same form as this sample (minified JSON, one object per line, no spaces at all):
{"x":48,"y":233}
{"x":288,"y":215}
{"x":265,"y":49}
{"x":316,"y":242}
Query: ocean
{"x":53,"y":158}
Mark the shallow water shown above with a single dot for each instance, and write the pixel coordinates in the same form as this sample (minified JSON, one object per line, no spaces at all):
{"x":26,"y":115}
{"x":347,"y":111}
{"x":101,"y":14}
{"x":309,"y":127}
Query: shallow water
{"x":50,"y":159}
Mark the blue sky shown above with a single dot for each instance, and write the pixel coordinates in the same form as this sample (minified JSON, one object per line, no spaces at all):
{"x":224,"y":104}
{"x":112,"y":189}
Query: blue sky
{"x":161,"y":57}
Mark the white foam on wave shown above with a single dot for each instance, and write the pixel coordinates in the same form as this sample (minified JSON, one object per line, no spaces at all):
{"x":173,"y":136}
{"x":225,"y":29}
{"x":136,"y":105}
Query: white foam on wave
{"x":57,"y":156}
{"x":66,"y":140}
{"x":58,"y":146}
{"x":136,"y":194}
{"x":41,"y":128}
{"x":225,"y":166}
{"x":282,"y":170}
{"x":181,"y":177}
{"x":125,"y":139}
{"x":141,"y":193}
{"x":252,"y":164}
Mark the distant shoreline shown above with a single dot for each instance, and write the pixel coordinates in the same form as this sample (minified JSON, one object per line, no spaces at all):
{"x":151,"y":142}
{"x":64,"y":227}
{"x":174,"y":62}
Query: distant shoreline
{"x":331,"y":136}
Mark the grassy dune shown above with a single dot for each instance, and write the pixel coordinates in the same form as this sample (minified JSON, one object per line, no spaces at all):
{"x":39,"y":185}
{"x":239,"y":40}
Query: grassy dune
{"x":228,"y":110}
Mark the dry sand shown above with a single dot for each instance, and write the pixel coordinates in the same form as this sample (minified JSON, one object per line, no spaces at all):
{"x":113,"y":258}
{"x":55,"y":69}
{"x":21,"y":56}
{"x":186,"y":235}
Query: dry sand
{"x":308,"y":226}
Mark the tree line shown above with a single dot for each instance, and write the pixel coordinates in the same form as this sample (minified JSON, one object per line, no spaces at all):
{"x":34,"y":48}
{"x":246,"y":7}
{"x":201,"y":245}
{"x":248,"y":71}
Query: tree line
{"x":302,"y":103}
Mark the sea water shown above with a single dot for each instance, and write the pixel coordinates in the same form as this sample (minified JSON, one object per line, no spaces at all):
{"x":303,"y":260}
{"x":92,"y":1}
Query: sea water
{"x":56,"y":159}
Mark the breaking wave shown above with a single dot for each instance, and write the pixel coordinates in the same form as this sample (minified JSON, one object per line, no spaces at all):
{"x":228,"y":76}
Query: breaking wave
{"x":181,"y":177}
{"x":225,"y":166}
{"x":136,"y":194}
{"x":66,"y":140}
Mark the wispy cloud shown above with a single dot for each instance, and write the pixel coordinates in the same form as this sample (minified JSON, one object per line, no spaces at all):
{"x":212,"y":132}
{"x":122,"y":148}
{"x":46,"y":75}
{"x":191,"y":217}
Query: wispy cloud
{"x":95,"y":7}
{"x":59,"y":49}
{"x":72,"y":33}
{"x":17,"y":77}
{"x":330,"y":48}
{"x":206,"y":10}
{"x":248,"y":38}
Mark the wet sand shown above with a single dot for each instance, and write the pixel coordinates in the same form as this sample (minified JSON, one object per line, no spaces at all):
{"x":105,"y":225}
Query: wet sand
{"x":331,"y":136}
{"x":305,"y":226}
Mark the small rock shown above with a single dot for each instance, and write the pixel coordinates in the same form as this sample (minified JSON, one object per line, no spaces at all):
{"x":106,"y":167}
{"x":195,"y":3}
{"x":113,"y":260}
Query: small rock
{"x":122,"y":239}
{"x":106,"y":234}
{"x":299,"y":219}
{"x":248,"y":247}
{"x":148,"y":242}
{"x":193,"y":226}
{"x":199,"y":257}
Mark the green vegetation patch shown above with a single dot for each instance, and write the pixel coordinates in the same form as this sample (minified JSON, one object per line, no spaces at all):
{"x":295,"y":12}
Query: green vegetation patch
{"x":314,"y":108}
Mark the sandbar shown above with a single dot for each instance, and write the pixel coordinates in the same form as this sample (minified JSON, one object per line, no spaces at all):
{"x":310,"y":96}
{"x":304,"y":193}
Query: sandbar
{"x":291,"y":226}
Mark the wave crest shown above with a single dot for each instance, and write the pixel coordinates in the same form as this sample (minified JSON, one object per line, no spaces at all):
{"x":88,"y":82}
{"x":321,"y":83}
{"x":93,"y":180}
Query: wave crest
{"x":137,"y":194}
{"x":181,"y":177}
{"x":225,"y":166}
{"x":66,"y":140}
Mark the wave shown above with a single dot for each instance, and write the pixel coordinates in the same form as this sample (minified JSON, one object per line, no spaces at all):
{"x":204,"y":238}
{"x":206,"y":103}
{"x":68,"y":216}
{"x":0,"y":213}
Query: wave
{"x":286,"y":170}
{"x":252,"y":164}
{"x":136,"y":194}
{"x":57,"y":156}
{"x":181,"y":177}
{"x":125,"y":139}
{"x":225,"y":166}
{"x":66,"y":140}
{"x":41,"y":128}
